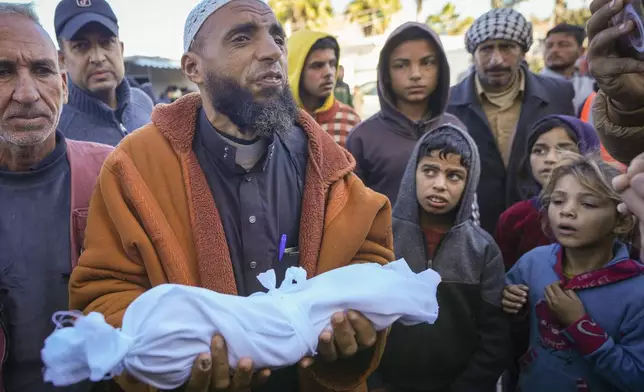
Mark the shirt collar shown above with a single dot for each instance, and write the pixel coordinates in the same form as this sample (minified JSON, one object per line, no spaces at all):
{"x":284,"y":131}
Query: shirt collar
{"x":224,"y":152}
{"x":51,"y":160}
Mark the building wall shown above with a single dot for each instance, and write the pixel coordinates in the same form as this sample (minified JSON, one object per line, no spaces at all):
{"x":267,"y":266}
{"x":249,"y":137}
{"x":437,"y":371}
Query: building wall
{"x":161,"y":78}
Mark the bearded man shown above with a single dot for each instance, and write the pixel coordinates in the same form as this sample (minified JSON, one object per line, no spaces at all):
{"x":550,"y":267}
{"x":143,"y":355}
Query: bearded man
{"x":205,"y":193}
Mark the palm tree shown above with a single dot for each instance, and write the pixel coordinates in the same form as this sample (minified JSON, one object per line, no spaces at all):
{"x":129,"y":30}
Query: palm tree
{"x":562,"y":14}
{"x":419,"y":9}
{"x":302,"y":14}
{"x":504,"y":3}
{"x":448,"y":21}
{"x":372,"y":15}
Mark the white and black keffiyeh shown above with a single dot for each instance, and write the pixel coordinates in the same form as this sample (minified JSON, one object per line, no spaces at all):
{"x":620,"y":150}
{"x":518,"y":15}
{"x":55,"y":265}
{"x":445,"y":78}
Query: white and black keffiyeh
{"x":499,"y":23}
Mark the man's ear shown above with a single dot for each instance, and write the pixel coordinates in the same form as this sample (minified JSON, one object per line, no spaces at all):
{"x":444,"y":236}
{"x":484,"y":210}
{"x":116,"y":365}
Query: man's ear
{"x":191,"y":68}
{"x":61,"y":60}
{"x":63,"y":76}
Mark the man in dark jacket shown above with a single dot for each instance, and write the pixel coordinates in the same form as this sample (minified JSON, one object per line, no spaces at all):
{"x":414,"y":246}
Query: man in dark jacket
{"x":45,"y":185}
{"x":499,"y":102}
{"x":413,"y":87}
{"x":102,"y":105}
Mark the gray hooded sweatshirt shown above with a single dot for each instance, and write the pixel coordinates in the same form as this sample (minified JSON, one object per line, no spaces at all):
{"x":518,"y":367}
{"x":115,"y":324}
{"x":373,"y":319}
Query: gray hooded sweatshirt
{"x":467,"y":348}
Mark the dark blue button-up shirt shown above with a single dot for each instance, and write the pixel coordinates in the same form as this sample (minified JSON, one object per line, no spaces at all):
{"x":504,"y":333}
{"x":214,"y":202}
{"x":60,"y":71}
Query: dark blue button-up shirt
{"x":257,"y":206}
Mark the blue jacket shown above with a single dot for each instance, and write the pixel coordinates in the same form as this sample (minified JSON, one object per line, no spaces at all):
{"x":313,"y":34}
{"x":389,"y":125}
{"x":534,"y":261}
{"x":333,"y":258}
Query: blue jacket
{"x":603,"y":351}
{"x":87,"y":118}
{"x":499,"y":188}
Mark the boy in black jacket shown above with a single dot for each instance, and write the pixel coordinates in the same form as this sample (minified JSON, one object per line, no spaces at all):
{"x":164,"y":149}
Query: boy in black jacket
{"x":466,"y":350}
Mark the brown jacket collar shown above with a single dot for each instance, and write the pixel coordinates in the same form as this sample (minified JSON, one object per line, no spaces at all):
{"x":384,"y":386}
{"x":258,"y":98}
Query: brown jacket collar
{"x":177,"y":122}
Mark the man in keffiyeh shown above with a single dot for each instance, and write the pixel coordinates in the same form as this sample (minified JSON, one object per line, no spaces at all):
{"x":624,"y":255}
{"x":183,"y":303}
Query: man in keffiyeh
{"x":499,"y":101}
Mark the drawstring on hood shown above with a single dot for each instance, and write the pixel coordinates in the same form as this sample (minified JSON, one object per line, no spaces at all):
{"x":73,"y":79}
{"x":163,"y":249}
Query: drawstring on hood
{"x":299,"y":46}
{"x":408,"y":235}
{"x":437,"y":101}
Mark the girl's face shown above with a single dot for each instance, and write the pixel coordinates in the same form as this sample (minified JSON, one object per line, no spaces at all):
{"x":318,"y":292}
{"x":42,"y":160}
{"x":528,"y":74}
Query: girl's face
{"x":579,"y":217}
{"x":545,"y":153}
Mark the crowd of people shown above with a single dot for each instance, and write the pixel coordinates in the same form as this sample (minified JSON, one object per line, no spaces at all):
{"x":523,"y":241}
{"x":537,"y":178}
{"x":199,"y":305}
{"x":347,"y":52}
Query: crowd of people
{"x":528,"y":208}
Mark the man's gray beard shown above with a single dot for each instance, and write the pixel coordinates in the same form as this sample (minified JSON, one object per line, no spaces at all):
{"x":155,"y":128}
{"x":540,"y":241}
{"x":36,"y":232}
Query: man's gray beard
{"x":276,"y":114}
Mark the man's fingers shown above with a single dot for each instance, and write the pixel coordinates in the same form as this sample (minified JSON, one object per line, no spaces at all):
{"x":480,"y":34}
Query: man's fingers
{"x":344,"y":335}
{"x":326,"y":347}
{"x":602,"y":16}
{"x":307,"y":362}
{"x":260,"y":378}
{"x":634,"y":201}
{"x":597,"y":4}
{"x":221,"y":368}
{"x":365,"y":333}
{"x":636,"y":166}
{"x":200,"y":376}
{"x":603,"y":44}
{"x":243,"y":376}
{"x":621,"y":182}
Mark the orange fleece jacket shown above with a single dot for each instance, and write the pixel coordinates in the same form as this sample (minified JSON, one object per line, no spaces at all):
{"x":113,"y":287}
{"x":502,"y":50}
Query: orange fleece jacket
{"x":153,"y":220}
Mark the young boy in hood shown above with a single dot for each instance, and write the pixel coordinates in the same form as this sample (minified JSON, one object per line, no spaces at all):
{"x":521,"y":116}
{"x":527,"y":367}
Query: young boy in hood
{"x":413,"y":87}
{"x":468,"y":346}
{"x":312,"y":67}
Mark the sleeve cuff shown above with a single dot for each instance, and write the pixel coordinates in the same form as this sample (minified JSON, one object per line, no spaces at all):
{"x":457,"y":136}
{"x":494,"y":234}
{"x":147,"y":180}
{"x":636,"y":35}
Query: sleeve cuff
{"x":586,"y":335}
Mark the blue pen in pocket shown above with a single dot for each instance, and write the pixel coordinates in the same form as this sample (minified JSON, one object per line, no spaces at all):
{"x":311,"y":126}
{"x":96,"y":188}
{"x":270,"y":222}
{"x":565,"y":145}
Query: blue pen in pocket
{"x":282,"y":246}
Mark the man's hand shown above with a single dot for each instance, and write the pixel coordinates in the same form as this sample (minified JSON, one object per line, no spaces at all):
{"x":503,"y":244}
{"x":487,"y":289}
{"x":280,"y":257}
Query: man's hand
{"x":622,"y":79}
{"x":514,"y":298}
{"x":564,"y":304}
{"x":351,"y":333}
{"x":631,"y":188}
{"x":211,"y":372}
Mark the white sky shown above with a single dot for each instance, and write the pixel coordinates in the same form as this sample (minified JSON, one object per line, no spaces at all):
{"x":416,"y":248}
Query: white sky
{"x":155,"y":27}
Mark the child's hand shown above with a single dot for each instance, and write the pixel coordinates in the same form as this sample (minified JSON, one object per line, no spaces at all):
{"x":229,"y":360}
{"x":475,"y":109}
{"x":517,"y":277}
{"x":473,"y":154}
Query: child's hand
{"x":565,"y":304}
{"x":514,"y":298}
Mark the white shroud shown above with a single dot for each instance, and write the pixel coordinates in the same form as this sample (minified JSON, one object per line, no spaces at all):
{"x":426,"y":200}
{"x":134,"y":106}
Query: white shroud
{"x":167,"y":327}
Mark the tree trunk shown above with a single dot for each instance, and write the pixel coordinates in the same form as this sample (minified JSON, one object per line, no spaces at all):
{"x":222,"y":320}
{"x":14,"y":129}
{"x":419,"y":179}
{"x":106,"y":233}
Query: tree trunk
{"x":419,"y":9}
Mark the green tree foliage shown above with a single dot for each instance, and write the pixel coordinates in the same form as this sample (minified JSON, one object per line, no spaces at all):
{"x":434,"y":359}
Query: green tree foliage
{"x":373,"y":16}
{"x":504,"y":3}
{"x":562,"y":14}
{"x":302,"y":14}
{"x":448,"y":21}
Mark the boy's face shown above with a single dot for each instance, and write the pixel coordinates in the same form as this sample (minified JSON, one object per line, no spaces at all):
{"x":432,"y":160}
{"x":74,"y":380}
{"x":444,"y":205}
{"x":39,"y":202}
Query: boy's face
{"x":578,"y":217}
{"x":318,"y":77}
{"x":413,"y":69}
{"x":546,"y":151}
{"x":440,"y":182}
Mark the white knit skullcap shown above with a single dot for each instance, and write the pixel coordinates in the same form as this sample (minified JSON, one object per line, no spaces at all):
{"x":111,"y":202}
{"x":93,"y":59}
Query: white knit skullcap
{"x":198,"y":16}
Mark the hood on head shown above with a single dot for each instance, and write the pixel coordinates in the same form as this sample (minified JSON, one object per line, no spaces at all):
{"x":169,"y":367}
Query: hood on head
{"x":407,"y":208}
{"x":438,"y":100}
{"x":587,"y":141}
{"x":586,"y":135}
{"x":298,"y":47}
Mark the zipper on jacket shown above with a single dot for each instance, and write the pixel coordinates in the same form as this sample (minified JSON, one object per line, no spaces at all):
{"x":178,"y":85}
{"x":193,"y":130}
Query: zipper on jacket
{"x":430,"y":262}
